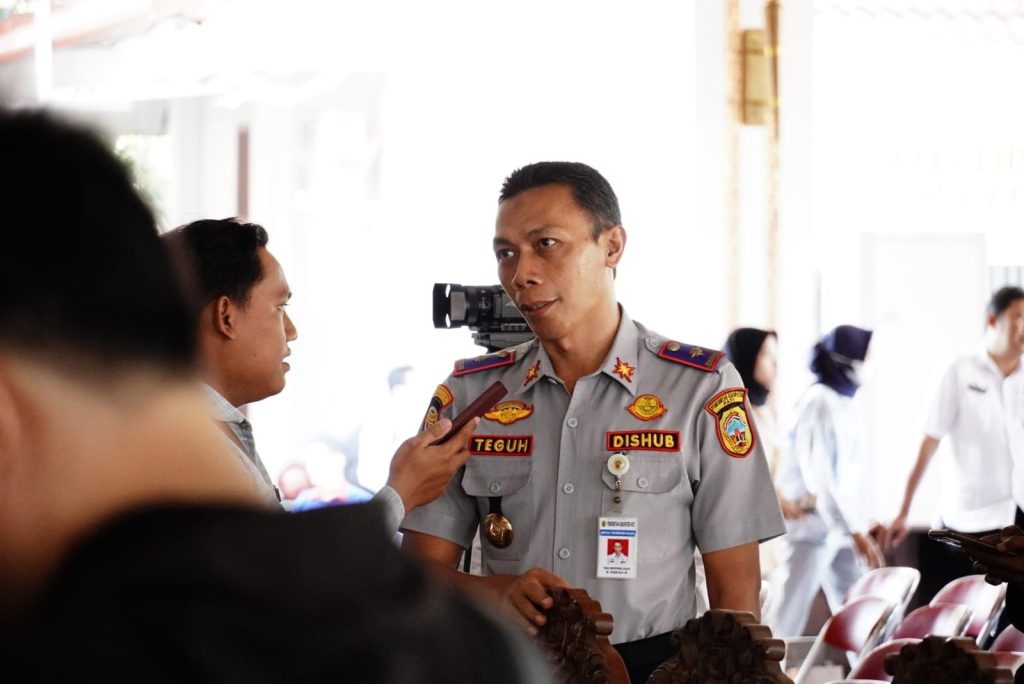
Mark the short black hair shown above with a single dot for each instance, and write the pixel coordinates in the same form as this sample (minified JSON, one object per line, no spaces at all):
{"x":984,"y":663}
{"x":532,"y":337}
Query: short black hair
{"x":1002,"y":299}
{"x":83,"y":275}
{"x":591,"y":191}
{"x":221,"y":257}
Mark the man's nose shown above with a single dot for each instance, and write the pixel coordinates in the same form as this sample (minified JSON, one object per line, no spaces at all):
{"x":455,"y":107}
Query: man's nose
{"x":527,"y":271}
{"x":290,"y":333}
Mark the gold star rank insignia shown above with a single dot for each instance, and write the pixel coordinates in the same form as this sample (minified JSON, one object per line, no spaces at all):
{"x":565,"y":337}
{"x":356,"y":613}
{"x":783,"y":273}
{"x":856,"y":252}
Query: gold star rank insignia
{"x":695,"y":352}
{"x":532,"y":374}
{"x":623,"y":370}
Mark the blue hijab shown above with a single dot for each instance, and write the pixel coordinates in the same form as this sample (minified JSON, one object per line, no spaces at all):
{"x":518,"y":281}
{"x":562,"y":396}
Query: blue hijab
{"x":835,"y":357}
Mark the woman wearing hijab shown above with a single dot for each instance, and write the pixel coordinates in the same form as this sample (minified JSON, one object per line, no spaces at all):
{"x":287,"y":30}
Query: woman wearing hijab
{"x":829,"y":546}
{"x":753,"y":352}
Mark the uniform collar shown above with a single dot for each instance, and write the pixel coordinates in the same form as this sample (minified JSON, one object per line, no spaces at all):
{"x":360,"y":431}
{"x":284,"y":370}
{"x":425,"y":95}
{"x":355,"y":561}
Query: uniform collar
{"x":536,"y":365}
{"x":620,"y":364}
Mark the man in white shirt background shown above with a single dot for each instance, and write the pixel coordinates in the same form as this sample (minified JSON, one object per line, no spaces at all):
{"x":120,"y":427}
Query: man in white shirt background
{"x":980,"y":407}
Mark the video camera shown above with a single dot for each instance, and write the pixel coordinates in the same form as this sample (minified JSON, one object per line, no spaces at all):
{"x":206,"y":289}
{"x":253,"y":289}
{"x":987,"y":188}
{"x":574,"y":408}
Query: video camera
{"x":486,"y":310}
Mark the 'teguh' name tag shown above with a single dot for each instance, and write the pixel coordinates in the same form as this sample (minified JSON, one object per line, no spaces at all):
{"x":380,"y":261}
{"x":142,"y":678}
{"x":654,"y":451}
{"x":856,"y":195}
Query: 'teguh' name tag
{"x":501,"y":445}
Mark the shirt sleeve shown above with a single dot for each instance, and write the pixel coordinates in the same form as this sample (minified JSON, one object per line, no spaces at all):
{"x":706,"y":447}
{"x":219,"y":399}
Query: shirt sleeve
{"x":943,"y":413}
{"x":734,"y":499}
{"x":394,"y":508}
{"x":453,"y":515}
{"x":815,"y":447}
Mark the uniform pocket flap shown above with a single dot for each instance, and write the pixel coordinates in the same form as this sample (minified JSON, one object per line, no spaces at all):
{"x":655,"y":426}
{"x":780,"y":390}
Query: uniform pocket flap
{"x":650,"y":473}
{"x":495,"y":475}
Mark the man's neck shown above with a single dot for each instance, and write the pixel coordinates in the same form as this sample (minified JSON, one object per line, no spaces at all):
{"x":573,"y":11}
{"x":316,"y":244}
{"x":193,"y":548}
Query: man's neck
{"x":584,"y":350}
{"x":1007,"y":361}
{"x":95,"y":458}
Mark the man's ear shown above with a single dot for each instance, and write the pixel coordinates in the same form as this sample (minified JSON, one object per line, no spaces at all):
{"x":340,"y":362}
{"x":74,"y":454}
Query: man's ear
{"x":223,"y":314}
{"x":615,"y":244}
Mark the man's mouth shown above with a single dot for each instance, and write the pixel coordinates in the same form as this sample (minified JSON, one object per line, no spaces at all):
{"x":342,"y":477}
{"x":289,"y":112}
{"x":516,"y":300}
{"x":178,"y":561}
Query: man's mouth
{"x":534,"y":309}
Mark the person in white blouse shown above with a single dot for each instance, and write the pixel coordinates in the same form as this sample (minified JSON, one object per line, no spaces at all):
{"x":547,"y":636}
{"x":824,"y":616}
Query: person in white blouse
{"x":829,"y":546}
{"x":980,"y":407}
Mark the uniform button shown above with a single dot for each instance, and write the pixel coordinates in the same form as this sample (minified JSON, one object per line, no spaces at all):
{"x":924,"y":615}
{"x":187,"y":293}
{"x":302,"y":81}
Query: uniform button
{"x":572,"y":422}
{"x":568,"y":488}
{"x":564,"y":553}
{"x":495,"y":487}
{"x":642,"y":483}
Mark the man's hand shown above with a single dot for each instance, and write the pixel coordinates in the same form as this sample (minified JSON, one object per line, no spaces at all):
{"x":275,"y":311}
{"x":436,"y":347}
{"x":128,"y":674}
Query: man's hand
{"x":892,"y":535}
{"x":420,"y":473}
{"x":867,"y":549}
{"x":790,"y":510}
{"x":525,"y":597}
{"x":998,"y":567}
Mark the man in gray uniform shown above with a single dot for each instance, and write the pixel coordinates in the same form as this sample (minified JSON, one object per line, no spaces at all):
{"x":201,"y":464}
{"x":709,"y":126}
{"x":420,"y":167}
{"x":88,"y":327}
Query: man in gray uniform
{"x":610,"y":431}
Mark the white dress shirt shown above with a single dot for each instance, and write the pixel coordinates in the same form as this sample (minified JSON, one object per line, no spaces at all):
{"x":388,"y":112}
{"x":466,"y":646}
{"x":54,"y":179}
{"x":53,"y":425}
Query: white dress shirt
{"x":982,"y":412}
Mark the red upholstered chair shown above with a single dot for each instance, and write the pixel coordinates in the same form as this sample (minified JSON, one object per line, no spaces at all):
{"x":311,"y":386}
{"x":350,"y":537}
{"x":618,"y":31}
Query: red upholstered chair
{"x":897,"y":584}
{"x":1011,"y":661}
{"x":938,"y":619}
{"x":984,"y":600}
{"x":872,"y":666}
{"x":1010,"y":639}
{"x":854,"y":629}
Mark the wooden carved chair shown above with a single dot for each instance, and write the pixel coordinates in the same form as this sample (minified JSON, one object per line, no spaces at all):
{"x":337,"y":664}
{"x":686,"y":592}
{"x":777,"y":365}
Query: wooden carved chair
{"x":575,"y":638}
{"x":945,"y":660}
{"x":723,"y":646}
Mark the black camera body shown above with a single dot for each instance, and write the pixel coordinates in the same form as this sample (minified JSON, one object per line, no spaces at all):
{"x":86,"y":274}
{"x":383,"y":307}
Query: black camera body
{"x":485,"y":309}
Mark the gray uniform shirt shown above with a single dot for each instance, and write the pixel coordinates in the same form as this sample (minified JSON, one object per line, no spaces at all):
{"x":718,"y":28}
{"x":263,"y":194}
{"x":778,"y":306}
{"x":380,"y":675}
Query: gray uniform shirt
{"x":545,"y":453}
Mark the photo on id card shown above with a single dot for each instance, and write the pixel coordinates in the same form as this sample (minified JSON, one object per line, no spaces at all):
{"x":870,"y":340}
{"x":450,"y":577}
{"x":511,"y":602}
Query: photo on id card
{"x":617,"y":547}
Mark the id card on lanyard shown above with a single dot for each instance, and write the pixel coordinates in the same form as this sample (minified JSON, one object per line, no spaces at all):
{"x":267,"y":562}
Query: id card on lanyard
{"x":617,"y":534}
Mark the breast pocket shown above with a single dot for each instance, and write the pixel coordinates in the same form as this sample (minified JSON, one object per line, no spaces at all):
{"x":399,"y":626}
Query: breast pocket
{"x":976,"y":409}
{"x":651,"y":491}
{"x":508,"y":478}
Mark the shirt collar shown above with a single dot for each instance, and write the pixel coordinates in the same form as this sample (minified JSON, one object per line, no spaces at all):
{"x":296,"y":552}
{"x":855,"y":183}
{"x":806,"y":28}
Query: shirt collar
{"x":537,"y":365}
{"x":222,"y":409}
{"x":620,"y":364}
{"x":982,"y":357}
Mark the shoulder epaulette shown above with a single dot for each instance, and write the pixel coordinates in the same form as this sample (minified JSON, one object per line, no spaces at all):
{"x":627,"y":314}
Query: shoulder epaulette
{"x":690,"y":355}
{"x":505,"y":357}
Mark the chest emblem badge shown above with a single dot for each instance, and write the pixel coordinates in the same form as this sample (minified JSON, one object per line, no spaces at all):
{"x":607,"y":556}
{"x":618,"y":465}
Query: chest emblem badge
{"x":532,"y":374}
{"x":508,"y":412}
{"x":730,"y":411}
{"x":647,"y":407}
{"x":623,"y":370}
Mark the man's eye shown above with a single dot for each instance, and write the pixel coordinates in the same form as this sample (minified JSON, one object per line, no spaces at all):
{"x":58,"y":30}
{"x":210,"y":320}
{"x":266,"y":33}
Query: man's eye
{"x":547,"y":242}
{"x":503,"y":254}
